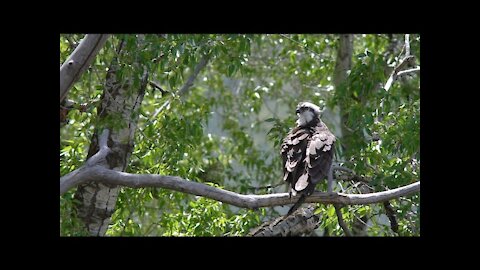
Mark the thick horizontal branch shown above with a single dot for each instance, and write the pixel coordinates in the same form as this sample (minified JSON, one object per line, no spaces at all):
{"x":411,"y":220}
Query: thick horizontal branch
{"x":107,"y":176}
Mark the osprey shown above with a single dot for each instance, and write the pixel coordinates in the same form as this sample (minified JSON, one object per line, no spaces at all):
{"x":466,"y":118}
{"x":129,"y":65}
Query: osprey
{"x":307,"y":153}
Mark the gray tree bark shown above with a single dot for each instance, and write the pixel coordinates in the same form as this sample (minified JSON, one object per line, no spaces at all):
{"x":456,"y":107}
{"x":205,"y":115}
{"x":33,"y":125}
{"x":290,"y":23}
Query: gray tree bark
{"x":94,"y":170}
{"x":79,"y":61}
{"x":301,"y":223}
{"x":118,"y":112}
{"x":342,"y":65}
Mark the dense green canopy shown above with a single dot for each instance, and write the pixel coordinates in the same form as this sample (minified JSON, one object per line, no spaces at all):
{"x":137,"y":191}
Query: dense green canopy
{"x":225,"y":129}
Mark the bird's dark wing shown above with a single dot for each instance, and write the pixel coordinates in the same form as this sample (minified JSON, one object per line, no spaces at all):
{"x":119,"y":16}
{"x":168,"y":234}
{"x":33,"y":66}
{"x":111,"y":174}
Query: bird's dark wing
{"x":293,"y":154}
{"x":319,"y":154}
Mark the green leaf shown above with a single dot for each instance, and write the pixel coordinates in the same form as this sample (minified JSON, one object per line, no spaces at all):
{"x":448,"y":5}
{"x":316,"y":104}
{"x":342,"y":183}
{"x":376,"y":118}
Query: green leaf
{"x":331,"y":211}
{"x":231,"y":70}
{"x":292,"y":57}
{"x":172,"y":80}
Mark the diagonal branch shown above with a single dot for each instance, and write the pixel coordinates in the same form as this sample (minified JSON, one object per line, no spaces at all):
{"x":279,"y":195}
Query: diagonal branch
{"x":201,"y":64}
{"x":76,"y":177}
{"x":79,"y":60}
{"x":341,"y":222}
{"x":157,"y":86}
{"x":403,"y":63}
{"x":390,"y":212}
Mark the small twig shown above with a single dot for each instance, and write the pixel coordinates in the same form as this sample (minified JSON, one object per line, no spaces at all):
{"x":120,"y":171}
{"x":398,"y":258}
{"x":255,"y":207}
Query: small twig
{"x":340,"y":168}
{"x":266,"y":187}
{"x":305,"y":47}
{"x":407,"y":71}
{"x":159,"y":110}
{"x":341,"y":222}
{"x":157,"y":86}
{"x":354,"y":177}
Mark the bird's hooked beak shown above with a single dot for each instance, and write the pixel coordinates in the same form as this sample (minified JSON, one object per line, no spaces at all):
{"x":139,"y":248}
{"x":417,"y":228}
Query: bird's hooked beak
{"x":298,"y":110}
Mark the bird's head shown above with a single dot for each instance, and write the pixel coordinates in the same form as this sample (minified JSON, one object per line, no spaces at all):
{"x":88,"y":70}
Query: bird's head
{"x":307,"y":112}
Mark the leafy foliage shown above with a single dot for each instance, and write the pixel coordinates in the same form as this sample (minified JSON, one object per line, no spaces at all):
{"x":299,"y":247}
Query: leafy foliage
{"x":226,"y":129}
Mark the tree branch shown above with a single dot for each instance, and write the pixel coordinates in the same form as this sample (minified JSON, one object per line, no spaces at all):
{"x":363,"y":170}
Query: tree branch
{"x":341,"y":222}
{"x":201,"y":64}
{"x":407,"y":45}
{"x":405,"y":72}
{"x":107,"y":176}
{"x":157,"y":86}
{"x":390,"y":212}
{"x":77,"y":176}
{"x":79,"y":60}
{"x":301,"y":222}
{"x":403,"y":63}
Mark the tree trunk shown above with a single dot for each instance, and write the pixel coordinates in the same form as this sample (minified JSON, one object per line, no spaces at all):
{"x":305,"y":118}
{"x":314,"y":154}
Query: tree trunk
{"x":342,"y":65}
{"x":118,"y":112}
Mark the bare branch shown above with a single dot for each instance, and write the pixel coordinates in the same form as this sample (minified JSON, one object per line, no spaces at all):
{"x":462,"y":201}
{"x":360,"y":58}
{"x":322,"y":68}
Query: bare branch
{"x":408,"y":71}
{"x":341,"y":222}
{"x":403,"y":63}
{"x":157,"y":86}
{"x":79,"y":60}
{"x":407,"y":45}
{"x":338,"y":207}
{"x":76,"y":177}
{"x":107,"y":176}
{"x":353,"y":176}
{"x":201,"y":64}
{"x":391,"y":216}
{"x":103,"y":140}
